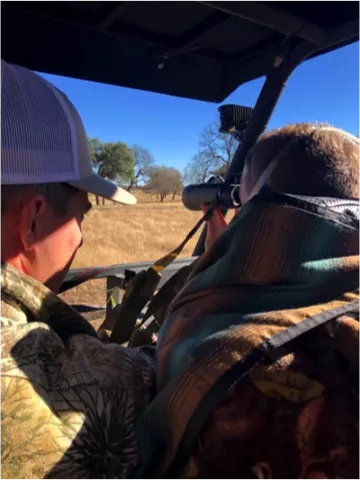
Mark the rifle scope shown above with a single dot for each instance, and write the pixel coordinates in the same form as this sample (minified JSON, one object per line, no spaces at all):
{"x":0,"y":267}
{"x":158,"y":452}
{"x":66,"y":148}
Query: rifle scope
{"x":233,"y":120}
{"x":226,"y":195}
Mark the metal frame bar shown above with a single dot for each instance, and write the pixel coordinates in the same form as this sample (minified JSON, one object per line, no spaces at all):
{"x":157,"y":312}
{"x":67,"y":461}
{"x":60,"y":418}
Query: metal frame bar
{"x":113,"y":14}
{"x":274,"y":18}
{"x":269,"y":96}
{"x":273,"y":87}
{"x":77,"y":276}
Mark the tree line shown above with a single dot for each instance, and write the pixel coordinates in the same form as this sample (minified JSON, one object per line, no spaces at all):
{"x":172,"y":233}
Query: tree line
{"x":132,"y":167}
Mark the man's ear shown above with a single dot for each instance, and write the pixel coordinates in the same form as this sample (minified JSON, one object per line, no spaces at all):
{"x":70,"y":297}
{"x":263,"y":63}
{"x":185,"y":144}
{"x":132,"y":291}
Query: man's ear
{"x":30,"y":224}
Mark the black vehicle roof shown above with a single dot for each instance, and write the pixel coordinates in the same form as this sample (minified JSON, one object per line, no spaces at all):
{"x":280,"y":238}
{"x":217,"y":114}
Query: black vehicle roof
{"x":198,"y":50}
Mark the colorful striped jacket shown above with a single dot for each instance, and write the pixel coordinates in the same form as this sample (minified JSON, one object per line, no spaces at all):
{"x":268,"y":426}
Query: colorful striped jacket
{"x":282,"y":260}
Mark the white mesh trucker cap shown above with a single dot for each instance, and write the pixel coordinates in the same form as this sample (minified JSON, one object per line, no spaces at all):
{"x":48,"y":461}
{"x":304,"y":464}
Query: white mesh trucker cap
{"x":43,"y":139}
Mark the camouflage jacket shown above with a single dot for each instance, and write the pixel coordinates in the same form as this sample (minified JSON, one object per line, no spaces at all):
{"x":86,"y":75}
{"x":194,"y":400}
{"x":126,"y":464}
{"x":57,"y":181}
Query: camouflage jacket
{"x":68,"y":402}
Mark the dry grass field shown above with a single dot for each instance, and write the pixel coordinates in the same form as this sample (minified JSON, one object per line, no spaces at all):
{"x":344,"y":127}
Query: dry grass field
{"x":120,"y":234}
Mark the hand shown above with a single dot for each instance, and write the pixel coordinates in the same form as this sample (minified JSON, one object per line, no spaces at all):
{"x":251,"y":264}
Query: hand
{"x":215,"y":226}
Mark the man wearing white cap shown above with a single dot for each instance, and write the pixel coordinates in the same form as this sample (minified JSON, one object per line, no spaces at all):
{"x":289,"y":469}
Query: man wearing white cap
{"x":69,"y":402}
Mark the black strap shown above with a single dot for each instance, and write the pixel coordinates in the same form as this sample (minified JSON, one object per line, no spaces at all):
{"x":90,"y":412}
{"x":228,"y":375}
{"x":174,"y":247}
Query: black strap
{"x":143,"y":287}
{"x":168,"y":291}
{"x":144,"y":331}
{"x":221,"y":387}
{"x":140,"y":291}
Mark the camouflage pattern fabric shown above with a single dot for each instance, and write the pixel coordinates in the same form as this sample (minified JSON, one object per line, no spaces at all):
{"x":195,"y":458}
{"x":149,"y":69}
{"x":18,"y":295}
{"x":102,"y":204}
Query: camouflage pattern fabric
{"x":68,"y":402}
{"x":280,"y":261}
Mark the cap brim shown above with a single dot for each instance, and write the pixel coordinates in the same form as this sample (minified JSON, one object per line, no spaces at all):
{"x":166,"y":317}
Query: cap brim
{"x":103,"y":188}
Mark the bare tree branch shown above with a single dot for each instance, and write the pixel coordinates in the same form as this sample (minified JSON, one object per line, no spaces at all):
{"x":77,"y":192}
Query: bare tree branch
{"x":216,"y":151}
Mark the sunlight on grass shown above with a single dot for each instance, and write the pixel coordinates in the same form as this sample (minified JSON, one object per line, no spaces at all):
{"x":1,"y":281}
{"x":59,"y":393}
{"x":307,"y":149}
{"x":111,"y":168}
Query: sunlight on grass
{"x":121,"y":234}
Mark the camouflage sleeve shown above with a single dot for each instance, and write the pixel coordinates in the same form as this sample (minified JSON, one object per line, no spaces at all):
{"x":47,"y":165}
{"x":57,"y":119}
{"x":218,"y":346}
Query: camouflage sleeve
{"x":68,"y":411}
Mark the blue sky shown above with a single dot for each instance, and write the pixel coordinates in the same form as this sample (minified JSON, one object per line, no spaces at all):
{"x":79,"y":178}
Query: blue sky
{"x":325,"y":89}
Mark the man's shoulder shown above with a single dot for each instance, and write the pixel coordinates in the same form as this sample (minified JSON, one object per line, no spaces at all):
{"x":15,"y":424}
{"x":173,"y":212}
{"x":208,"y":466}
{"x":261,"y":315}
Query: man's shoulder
{"x":68,"y":402}
{"x":42,"y":332}
{"x":35,"y":351}
{"x":73,"y":399}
